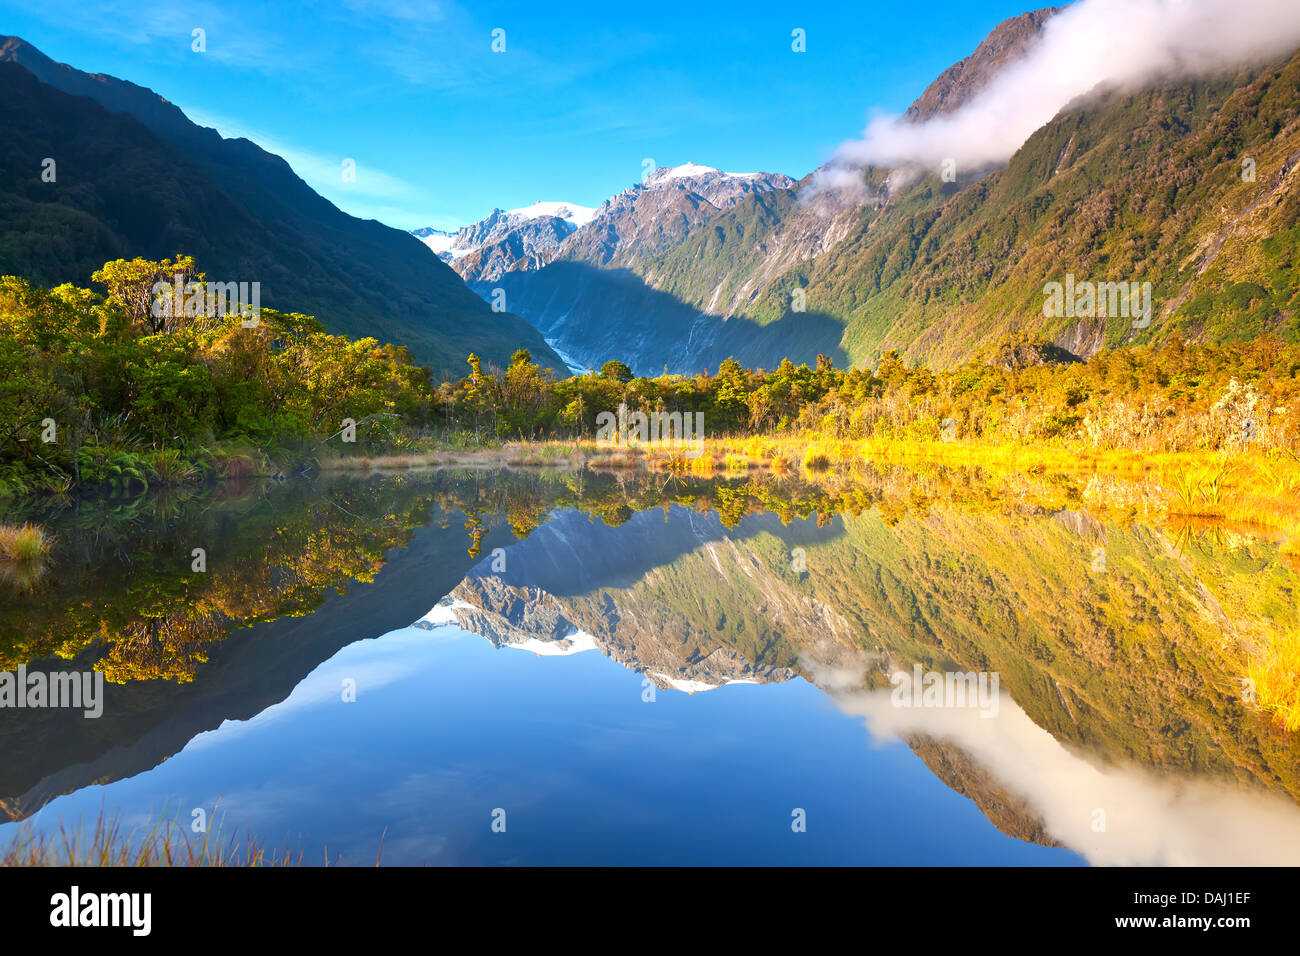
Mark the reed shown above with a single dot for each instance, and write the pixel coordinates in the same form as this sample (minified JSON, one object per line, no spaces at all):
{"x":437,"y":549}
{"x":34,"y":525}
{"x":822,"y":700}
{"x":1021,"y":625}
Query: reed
{"x":163,"y":843}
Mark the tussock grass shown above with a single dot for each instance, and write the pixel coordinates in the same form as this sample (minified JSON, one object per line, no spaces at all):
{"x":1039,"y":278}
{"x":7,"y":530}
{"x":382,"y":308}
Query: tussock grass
{"x":1199,"y":493}
{"x":816,"y":461}
{"x":24,"y":542}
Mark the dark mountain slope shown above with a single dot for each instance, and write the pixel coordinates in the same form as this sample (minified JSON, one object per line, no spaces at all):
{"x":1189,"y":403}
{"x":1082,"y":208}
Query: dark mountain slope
{"x":241,"y":210}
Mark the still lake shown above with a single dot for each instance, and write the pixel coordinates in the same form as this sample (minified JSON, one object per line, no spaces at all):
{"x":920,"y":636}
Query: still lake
{"x":547,"y":668}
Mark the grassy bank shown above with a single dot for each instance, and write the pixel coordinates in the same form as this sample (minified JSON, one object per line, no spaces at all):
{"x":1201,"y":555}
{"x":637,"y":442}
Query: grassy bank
{"x":1248,"y":488}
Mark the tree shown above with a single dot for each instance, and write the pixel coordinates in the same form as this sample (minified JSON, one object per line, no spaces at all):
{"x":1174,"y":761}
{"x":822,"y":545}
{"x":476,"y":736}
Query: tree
{"x":616,"y":370}
{"x":131,"y":284}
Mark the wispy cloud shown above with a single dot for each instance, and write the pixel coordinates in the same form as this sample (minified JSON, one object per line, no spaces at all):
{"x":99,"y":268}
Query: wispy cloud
{"x":168,"y":32}
{"x":373,"y":193}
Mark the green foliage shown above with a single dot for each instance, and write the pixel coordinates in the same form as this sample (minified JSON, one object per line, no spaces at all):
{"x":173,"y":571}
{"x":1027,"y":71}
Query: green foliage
{"x":1143,"y":398}
{"x":133,"y":402}
{"x":616,"y":370}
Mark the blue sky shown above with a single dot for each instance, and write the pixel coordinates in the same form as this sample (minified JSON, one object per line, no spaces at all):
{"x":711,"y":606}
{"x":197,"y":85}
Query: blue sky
{"x":442,"y":129}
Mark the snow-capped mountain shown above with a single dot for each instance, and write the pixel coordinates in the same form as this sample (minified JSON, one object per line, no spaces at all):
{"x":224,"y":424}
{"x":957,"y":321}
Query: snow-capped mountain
{"x":575,"y":215}
{"x":482,"y":251}
{"x":551,"y":256}
{"x":688,"y":170}
{"x":441,"y":242}
{"x":658,"y":212}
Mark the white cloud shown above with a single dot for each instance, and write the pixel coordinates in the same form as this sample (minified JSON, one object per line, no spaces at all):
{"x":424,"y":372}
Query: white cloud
{"x":1117,"y":43}
{"x":1149,"y":819}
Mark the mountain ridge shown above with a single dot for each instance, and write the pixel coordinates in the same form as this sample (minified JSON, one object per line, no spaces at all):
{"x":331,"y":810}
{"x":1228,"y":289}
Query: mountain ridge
{"x":1140,"y":186}
{"x":357,"y":276}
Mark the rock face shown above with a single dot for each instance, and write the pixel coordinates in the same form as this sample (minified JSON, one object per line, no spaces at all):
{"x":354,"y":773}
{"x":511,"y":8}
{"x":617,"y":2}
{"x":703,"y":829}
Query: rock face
{"x":657,"y":214}
{"x":959,"y":82}
{"x":1005,"y":809}
{"x":484,"y":250}
{"x":509,"y":243}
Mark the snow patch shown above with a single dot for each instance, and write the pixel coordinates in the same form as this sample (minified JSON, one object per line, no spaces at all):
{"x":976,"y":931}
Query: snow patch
{"x":575,"y":643}
{"x":695,"y":686}
{"x":443,"y":613}
{"x":689,"y":170}
{"x":577,"y":216}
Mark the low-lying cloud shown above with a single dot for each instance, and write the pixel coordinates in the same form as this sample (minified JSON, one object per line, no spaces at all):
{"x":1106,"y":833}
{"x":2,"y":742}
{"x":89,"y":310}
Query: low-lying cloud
{"x":1092,"y":44}
{"x":1112,"y":816}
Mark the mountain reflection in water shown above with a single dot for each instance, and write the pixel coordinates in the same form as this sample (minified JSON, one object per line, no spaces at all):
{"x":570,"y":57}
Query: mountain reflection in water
{"x":1121,"y":733}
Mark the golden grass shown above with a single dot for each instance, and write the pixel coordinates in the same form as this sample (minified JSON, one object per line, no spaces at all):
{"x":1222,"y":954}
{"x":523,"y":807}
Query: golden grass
{"x":24,"y":542}
{"x":1250,"y":489}
{"x":380,"y":463}
{"x":1275,"y":673}
{"x":736,"y":463}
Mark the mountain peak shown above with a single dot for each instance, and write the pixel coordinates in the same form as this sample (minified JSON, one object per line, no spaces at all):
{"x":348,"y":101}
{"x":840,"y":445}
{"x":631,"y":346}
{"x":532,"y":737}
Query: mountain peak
{"x":572,"y":213}
{"x":1007,"y":42}
{"x":691,"y":170}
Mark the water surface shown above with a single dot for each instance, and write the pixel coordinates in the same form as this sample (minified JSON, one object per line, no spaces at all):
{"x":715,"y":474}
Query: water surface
{"x":527,"y":668}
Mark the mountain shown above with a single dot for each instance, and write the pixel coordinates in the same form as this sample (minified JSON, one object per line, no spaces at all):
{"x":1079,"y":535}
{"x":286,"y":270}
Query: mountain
{"x":645,"y":219}
{"x":646,"y":283}
{"x":481,"y":252}
{"x":135,"y":177}
{"x":1124,"y":185}
{"x":755,"y":251}
{"x":1141,"y":186}
{"x":660,"y":211}
{"x":569,"y":289}
{"x":1003,"y":46}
